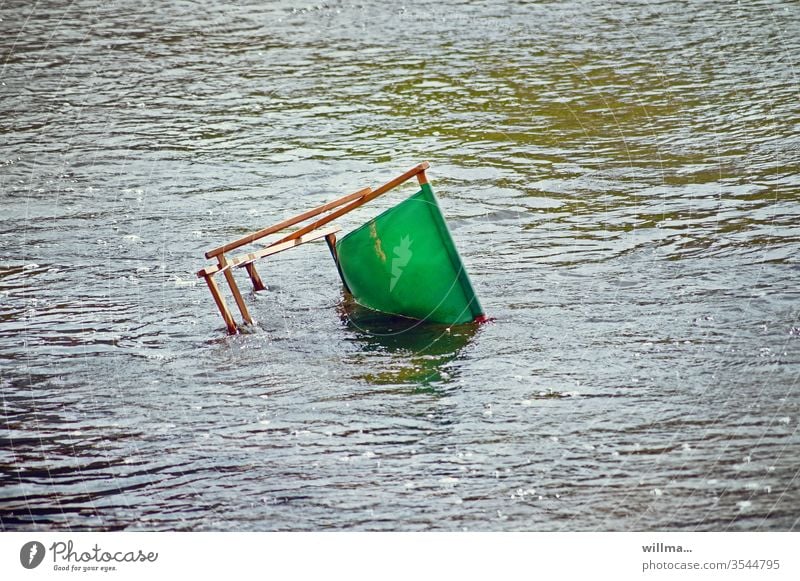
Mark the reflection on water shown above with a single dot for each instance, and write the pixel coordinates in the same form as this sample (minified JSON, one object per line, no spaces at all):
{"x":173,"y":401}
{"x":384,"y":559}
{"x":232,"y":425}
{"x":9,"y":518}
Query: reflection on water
{"x":422,"y":351}
{"x":621,"y":180}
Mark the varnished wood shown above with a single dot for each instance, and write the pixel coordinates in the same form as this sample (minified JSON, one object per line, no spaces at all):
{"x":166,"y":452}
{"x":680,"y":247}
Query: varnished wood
{"x":422,"y":178}
{"x":287,"y":223}
{"x":235,"y":290}
{"x":242,"y":260}
{"x":258,"y":285}
{"x":331,"y":240}
{"x":359,"y":202}
{"x":223,"y":308}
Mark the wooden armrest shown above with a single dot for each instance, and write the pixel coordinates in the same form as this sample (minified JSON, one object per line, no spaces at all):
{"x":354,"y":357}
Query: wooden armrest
{"x":245,"y":259}
{"x":414,"y":171}
{"x":286,"y":223}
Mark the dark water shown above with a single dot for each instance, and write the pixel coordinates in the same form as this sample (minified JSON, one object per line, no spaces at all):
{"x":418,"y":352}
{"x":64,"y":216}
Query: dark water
{"x":623,"y":183}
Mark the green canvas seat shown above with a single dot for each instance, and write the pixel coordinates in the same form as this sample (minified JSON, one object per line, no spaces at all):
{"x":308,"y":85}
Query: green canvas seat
{"x":404,"y":262}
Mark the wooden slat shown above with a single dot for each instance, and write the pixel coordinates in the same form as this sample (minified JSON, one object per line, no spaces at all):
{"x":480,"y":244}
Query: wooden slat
{"x":353,"y":205}
{"x":331,"y":240}
{"x":237,"y":296}
{"x":286,"y":223}
{"x":223,"y":308}
{"x":258,"y":284}
{"x":244,"y":259}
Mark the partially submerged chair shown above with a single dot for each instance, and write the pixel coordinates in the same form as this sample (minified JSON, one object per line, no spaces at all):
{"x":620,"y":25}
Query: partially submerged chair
{"x":433,"y":287}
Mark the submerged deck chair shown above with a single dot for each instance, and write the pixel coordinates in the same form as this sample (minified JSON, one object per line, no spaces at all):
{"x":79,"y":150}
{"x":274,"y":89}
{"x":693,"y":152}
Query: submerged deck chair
{"x":402,"y":262}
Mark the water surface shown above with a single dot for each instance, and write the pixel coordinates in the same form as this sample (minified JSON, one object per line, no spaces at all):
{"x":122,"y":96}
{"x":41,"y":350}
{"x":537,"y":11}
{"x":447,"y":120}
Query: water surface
{"x":621,"y":181}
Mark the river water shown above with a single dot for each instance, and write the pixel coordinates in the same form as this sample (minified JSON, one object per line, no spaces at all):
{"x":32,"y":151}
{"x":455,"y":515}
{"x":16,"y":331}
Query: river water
{"x":622,"y":181}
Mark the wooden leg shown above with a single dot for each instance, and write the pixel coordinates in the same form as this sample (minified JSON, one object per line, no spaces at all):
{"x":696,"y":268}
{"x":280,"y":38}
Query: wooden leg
{"x":258,"y":285}
{"x":331,"y":240}
{"x":223,"y":308}
{"x":235,"y":290}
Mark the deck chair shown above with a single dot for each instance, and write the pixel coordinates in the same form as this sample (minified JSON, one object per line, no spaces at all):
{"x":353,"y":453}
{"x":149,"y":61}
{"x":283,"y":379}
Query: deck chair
{"x":402,"y":262}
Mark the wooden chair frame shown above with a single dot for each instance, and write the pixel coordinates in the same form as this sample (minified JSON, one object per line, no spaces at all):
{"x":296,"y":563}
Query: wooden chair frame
{"x":316,"y":230}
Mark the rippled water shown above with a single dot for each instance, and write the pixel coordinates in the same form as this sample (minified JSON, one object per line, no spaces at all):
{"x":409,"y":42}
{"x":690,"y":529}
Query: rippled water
{"x":622,"y":182}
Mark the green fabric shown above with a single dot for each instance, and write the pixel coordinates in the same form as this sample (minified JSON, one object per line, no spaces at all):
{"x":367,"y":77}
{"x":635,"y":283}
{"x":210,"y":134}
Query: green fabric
{"x":404,"y":262}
